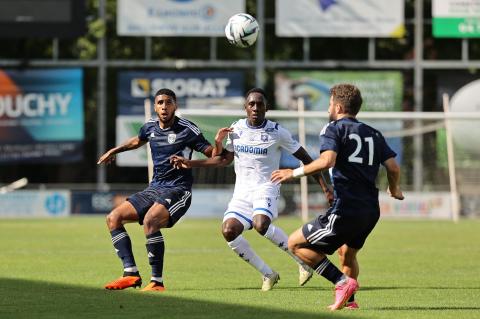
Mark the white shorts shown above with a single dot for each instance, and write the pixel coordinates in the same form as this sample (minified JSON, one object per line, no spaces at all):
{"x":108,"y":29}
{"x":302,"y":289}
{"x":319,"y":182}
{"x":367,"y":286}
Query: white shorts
{"x":246,"y":204}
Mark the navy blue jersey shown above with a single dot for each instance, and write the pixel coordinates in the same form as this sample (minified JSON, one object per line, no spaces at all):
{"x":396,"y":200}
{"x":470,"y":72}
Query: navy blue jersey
{"x":360,"y":151}
{"x":182,"y":138}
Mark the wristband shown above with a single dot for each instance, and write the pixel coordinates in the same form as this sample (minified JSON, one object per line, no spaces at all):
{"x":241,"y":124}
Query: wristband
{"x":298,"y":172}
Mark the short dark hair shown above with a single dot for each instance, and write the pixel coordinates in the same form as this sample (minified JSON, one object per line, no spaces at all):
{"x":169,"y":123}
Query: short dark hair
{"x":348,"y":96}
{"x":167,"y":92}
{"x":256,"y":90}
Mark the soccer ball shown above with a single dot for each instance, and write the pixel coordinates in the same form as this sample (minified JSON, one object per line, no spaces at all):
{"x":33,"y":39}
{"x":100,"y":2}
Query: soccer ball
{"x":242,"y":30}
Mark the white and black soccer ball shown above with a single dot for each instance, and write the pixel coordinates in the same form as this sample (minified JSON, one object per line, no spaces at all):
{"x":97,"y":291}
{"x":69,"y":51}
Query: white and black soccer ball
{"x":242,"y":30}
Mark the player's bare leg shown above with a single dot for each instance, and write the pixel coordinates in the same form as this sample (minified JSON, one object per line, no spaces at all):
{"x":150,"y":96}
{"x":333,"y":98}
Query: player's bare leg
{"x":279,"y":238}
{"x":156,"y":218}
{"x":344,"y":285}
{"x":232,"y":232}
{"x":349,"y":265}
{"x":124,"y":213}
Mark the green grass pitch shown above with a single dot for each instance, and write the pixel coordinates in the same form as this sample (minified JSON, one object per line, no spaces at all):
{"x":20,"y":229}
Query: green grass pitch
{"x":56,"y":268}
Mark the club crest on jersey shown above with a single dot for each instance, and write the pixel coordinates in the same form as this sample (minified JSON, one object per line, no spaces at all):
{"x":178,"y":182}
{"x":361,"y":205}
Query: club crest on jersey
{"x":172,"y":138}
{"x":264,"y":137}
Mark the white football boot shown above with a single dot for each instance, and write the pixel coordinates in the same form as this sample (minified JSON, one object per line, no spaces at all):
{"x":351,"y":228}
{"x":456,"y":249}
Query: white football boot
{"x":269,"y":280}
{"x":304,"y":275}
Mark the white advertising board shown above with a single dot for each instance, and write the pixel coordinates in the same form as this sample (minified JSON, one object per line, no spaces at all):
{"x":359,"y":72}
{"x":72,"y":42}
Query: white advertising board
{"x":435,"y":205}
{"x":340,"y":18}
{"x":175,"y":17}
{"x":42,"y":203}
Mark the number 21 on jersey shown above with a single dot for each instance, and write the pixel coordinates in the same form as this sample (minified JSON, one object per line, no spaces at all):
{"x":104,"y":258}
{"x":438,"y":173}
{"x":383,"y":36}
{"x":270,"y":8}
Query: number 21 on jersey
{"x":354,"y":156}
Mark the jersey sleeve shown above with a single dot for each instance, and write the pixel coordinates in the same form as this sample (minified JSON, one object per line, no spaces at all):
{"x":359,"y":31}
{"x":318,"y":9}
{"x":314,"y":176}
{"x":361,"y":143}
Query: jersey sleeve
{"x":287,"y":141}
{"x":329,"y":138}
{"x":143,"y":132}
{"x":200,"y":143}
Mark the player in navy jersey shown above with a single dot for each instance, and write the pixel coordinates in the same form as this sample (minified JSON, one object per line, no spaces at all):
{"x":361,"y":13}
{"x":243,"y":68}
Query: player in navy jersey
{"x":165,"y":200}
{"x":353,"y":151}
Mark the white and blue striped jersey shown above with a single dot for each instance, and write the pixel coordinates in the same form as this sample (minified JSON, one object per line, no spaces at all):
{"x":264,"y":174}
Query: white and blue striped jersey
{"x":257,"y":152}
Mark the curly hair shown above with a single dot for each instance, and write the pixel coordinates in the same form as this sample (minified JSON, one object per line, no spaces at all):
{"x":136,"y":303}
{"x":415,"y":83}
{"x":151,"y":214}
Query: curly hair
{"x":348,"y":96}
{"x":167,"y":92}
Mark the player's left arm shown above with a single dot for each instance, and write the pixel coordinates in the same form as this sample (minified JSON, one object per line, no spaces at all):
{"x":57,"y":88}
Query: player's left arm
{"x":326,"y":160}
{"x":393,"y":176}
{"x":303,"y":156}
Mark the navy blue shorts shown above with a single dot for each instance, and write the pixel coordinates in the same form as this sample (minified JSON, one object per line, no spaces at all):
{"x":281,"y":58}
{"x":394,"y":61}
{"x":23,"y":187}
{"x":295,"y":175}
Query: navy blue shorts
{"x":176,"y":200}
{"x":330,"y":231}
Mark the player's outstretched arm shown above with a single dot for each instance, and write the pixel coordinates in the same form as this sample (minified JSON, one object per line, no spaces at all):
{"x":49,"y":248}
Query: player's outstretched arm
{"x":326,"y":160}
{"x":393,"y":175}
{"x":130,"y":144}
{"x":218,"y":161}
{"x":219,"y":137}
{"x":303,"y":156}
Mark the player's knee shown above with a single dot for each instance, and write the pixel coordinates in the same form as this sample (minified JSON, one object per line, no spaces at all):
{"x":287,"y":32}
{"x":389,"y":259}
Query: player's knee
{"x":229,"y":232}
{"x":113,"y":220}
{"x":261,"y":223}
{"x":261,"y":227}
{"x":151,"y":223}
{"x":292,"y":245}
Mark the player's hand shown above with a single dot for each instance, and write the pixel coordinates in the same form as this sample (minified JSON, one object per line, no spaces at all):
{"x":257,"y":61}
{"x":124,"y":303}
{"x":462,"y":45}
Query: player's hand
{"x":179,"y":162}
{"x":222,"y":133}
{"x":395,"y":193}
{"x":281,"y":175}
{"x":107,"y":158}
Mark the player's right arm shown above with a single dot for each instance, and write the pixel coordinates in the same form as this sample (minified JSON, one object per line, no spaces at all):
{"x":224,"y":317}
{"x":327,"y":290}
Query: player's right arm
{"x":131,"y":144}
{"x":393,"y":175}
{"x":217,"y":161}
{"x":219,"y":137}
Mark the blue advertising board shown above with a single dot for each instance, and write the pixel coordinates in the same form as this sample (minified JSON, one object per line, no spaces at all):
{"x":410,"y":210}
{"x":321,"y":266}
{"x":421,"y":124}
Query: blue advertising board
{"x":194,"y":90}
{"x":41,"y":115}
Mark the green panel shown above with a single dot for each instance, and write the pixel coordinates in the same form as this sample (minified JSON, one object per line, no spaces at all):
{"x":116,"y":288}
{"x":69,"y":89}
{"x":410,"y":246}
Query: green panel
{"x":456,"y":27}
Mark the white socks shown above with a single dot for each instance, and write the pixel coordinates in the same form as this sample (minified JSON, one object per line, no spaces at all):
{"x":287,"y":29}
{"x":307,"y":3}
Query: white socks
{"x":242,"y":248}
{"x":131,"y":269}
{"x":278,"y":237}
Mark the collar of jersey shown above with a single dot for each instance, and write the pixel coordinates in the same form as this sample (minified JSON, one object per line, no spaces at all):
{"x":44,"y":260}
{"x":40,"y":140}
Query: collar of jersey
{"x":256,"y":127}
{"x":157,"y":121}
{"x":348,"y":118}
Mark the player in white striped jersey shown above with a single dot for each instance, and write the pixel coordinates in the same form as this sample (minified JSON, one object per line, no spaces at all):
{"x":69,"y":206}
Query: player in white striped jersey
{"x":255,"y":144}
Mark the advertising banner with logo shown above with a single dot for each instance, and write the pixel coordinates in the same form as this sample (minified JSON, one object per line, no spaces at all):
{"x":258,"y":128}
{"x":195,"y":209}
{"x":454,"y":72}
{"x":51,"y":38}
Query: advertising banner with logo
{"x":41,"y":115}
{"x":194,"y":89}
{"x":456,"y":18}
{"x":381,"y":91}
{"x":436,"y":205}
{"x":175,"y":17}
{"x":340,"y":18}
{"x":45,"y":203}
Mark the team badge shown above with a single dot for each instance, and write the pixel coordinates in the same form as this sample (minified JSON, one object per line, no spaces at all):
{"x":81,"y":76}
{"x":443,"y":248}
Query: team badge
{"x":172,"y":138}
{"x":264,"y":137}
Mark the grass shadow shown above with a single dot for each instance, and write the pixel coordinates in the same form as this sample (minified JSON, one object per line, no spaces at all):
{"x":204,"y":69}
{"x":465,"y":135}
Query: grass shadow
{"x":35,"y":299}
